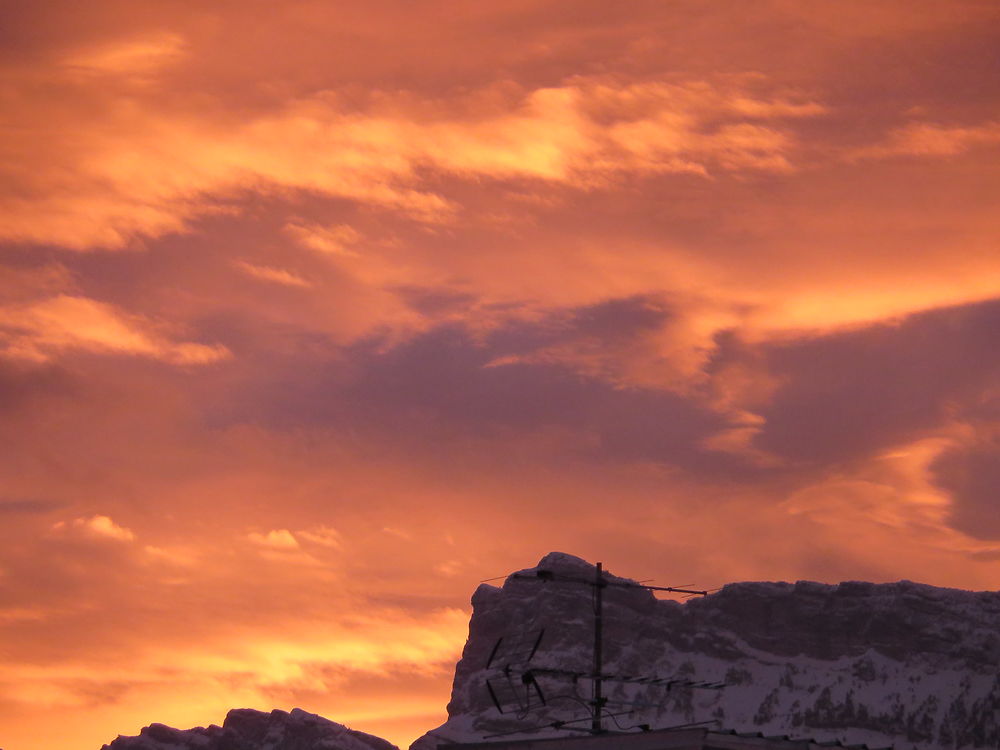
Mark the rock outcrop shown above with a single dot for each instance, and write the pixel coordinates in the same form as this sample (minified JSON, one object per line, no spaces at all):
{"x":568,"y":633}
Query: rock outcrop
{"x":245,"y":729}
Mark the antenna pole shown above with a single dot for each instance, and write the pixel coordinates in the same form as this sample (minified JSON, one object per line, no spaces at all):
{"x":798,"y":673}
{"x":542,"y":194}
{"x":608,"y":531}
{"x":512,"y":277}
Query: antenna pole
{"x":528,"y":675}
{"x":597,"y":726}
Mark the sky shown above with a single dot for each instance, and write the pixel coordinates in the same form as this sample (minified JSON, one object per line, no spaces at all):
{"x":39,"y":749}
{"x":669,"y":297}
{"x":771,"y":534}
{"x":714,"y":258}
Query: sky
{"x":313,"y":315}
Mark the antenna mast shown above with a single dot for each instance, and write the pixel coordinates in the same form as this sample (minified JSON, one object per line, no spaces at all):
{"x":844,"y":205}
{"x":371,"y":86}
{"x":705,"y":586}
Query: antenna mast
{"x":597,"y":726}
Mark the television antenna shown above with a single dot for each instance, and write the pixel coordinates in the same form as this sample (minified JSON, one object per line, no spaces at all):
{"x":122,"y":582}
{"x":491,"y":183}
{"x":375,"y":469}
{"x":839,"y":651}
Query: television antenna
{"x":516,"y":685}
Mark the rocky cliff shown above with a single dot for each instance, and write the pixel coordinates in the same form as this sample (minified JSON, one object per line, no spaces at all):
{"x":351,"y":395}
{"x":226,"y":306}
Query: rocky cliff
{"x":902,"y":663}
{"x":245,"y":729}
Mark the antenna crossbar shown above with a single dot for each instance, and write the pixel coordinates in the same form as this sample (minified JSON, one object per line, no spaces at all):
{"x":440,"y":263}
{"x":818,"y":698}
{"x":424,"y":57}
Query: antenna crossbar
{"x":548,"y":575}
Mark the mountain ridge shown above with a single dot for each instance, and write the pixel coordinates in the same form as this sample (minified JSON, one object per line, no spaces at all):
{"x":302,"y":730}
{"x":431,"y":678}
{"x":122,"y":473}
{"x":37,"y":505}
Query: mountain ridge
{"x":903,"y":664}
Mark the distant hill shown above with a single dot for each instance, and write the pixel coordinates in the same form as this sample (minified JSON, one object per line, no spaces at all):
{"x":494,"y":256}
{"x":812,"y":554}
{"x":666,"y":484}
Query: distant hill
{"x":245,"y":729}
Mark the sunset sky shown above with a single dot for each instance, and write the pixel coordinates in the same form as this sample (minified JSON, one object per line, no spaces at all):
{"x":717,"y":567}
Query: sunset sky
{"x":315,"y":314}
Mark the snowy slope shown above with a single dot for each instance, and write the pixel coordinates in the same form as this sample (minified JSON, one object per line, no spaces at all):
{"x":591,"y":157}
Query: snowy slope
{"x":902,"y":663}
{"x":245,"y":729}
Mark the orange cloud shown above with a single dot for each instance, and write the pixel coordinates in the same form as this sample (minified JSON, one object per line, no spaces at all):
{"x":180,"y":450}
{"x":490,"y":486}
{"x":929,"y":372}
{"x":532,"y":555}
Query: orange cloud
{"x":163,"y":166}
{"x":42,"y":329}
{"x":280,"y":539}
{"x":135,"y":57}
{"x":275,"y":275}
{"x":933,"y":139}
{"x":335,"y":240}
{"x":95,"y":527}
{"x":323,"y":536}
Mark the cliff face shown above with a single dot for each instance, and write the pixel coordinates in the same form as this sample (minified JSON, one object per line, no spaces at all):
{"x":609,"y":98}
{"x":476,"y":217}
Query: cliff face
{"x":901,"y":663}
{"x":245,"y":729}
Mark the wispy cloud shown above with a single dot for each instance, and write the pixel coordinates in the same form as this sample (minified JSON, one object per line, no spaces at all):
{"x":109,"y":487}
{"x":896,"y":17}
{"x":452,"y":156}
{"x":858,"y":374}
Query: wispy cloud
{"x":43,"y":329}
{"x":930,"y":139}
{"x":276,"y":539}
{"x":274,"y":275}
{"x":140,"y":55}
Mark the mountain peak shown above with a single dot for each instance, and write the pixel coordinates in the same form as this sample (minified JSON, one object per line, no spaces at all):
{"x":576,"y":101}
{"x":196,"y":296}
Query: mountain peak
{"x":563,"y":561}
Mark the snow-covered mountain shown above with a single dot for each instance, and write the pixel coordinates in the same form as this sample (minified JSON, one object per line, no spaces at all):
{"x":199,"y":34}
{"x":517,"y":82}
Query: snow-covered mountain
{"x":900,"y":664}
{"x":903,"y":663}
{"x":245,"y":729}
